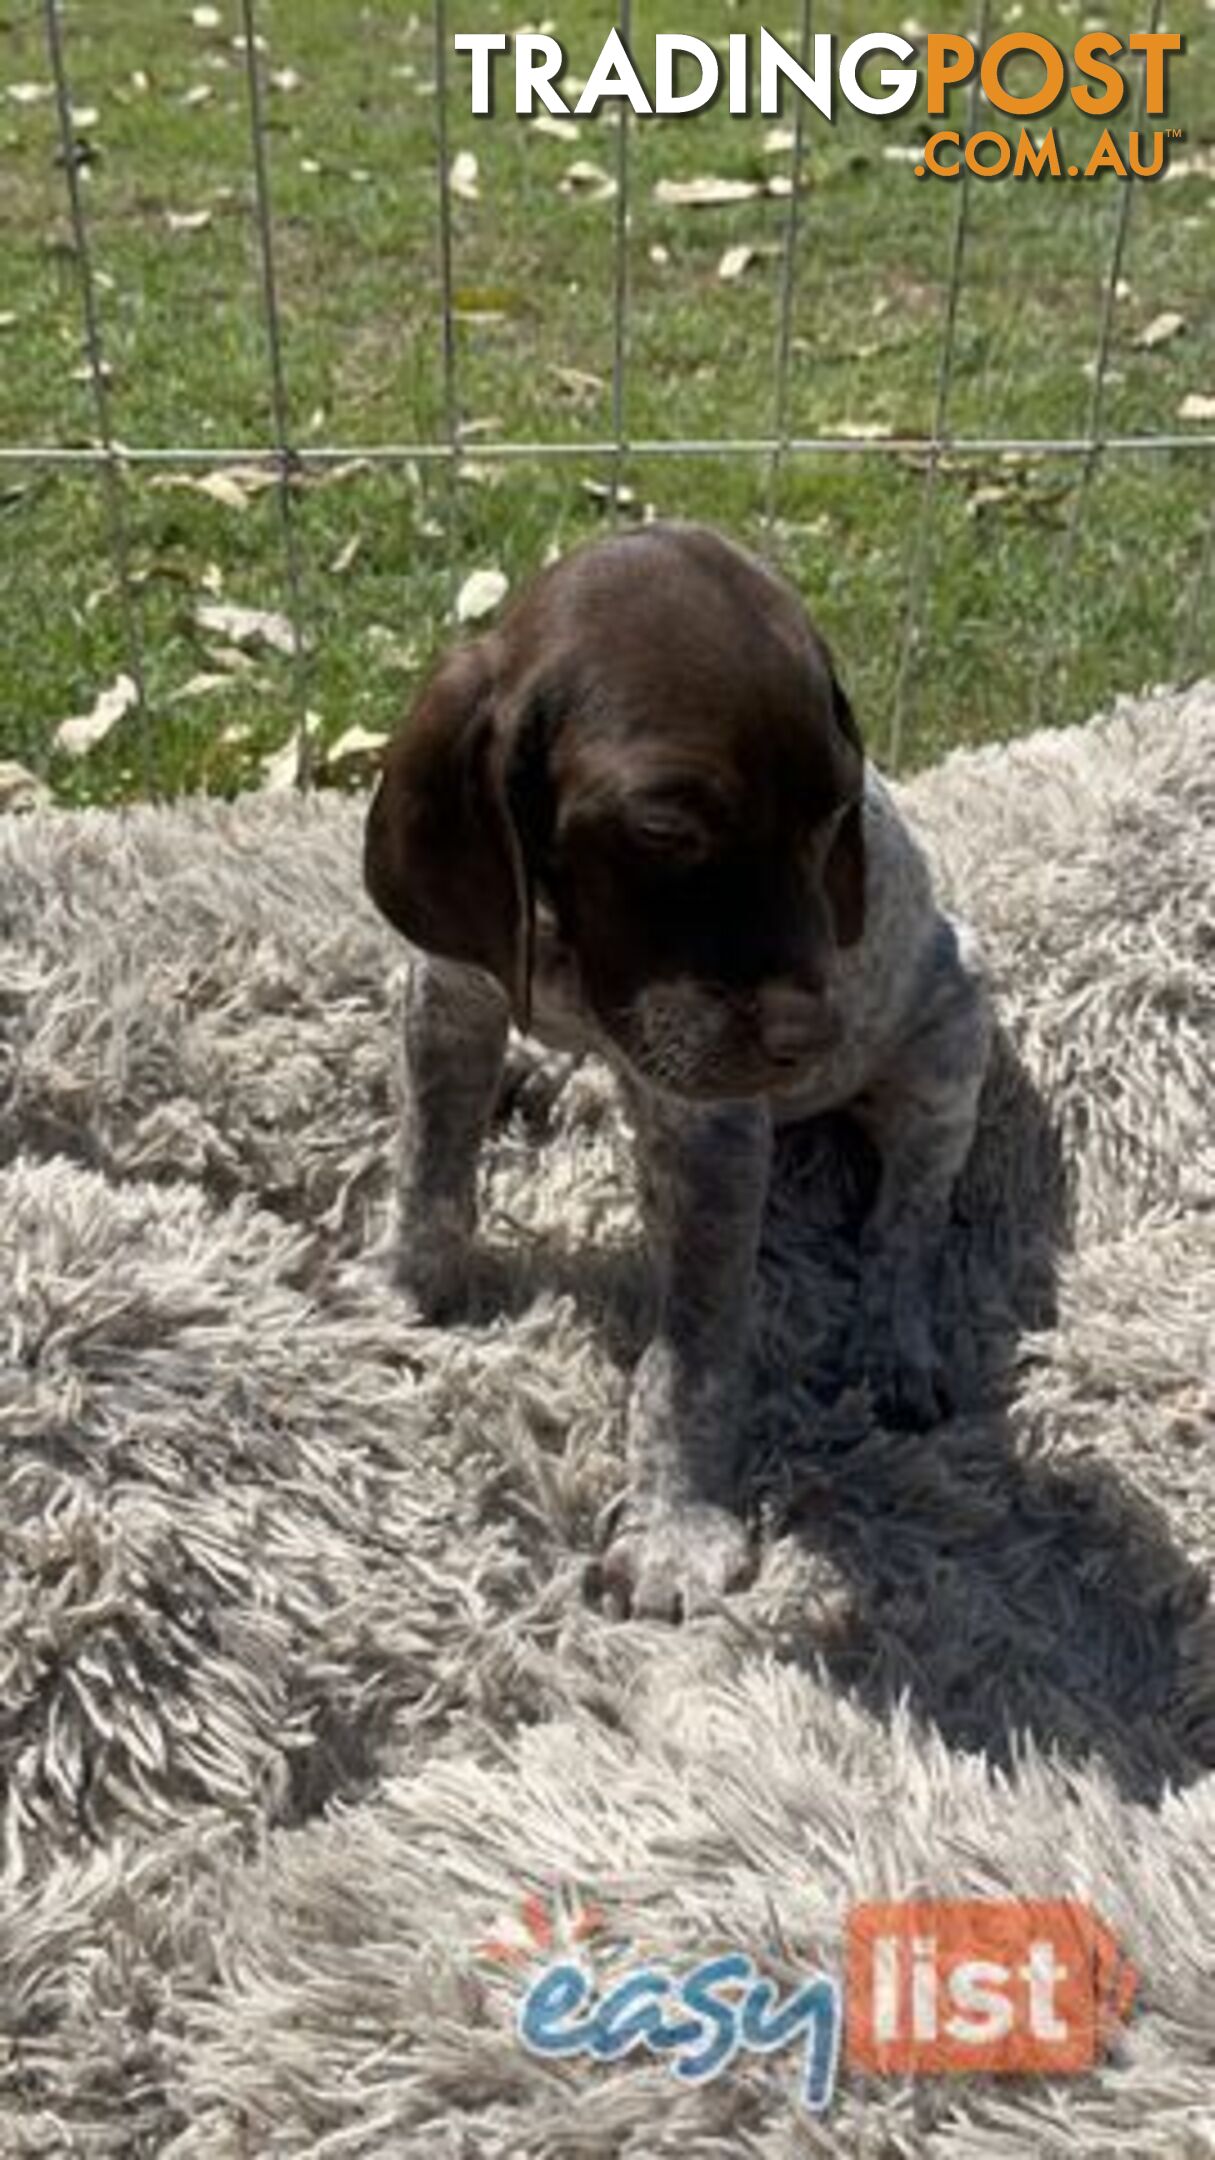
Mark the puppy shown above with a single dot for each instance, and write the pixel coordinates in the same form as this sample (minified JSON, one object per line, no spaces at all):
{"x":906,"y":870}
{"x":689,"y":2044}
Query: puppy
{"x":636,"y":818}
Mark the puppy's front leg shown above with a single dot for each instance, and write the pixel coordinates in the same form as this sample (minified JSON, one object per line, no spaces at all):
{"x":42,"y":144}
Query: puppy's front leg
{"x":921,"y":1114}
{"x":453,"y":1044}
{"x":704,"y":1177}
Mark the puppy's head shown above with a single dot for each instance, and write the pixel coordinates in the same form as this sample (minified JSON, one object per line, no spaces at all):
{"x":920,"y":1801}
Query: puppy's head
{"x":654,"y":749}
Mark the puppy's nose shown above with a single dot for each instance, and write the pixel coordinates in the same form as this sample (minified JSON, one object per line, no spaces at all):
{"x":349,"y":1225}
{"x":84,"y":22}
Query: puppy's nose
{"x":794,"y":1023}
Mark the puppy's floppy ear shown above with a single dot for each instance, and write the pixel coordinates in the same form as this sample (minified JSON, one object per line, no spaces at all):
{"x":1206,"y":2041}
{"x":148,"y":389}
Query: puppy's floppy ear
{"x":443,"y":856}
{"x":844,"y":875}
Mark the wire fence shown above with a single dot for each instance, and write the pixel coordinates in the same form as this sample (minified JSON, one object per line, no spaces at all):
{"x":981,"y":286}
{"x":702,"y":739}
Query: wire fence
{"x":289,"y":458}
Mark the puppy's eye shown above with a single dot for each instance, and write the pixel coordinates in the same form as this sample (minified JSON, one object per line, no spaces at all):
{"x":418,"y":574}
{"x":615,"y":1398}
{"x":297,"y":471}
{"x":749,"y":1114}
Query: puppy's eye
{"x":669,"y":831}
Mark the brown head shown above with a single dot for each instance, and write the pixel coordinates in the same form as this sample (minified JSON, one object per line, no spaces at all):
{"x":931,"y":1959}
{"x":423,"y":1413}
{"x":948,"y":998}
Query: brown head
{"x":653,"y":747}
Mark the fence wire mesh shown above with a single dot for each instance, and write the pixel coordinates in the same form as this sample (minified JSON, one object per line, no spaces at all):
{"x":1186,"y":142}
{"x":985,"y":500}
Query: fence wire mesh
{"x":288,"y":458}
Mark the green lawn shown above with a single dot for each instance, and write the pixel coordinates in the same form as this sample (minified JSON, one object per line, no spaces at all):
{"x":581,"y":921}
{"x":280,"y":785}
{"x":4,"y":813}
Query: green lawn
{"x":1015,"y":622}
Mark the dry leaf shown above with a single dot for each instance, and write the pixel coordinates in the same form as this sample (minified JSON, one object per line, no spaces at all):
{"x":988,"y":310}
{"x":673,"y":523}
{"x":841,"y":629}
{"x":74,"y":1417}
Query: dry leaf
{"x":480,"y":594}
{"x":285,"y":79}
{"x":21,"y":789}
{"x":552,"y":124}
{"x":346,"y":554}
{"x":862,"y":430}
{"x":735,"y":262}
{"x":462,"y":179}
{"x":82,"y":733}
{"x":577,"y":383}
{"x":8,"y":321}
{"x":390,"y":650}
{"x":1194,"y":165}
{"x":231,"y":658}
{"x":199,"y":686}
{"x":184,"y":221}
{"x":246,"y":626}
{"x":220,"y":487}
{"x":198,"y":94}
{"x":206,"y":18}
{"x":705,"y":193}
{"x":29,"y":93}
{"x":281,"y":768}
{"x":1196,"y":405}
{"x":603,"y":491}
{"x":1162,"y":327}
{"x":986,"y":498}
{"x":85,"y":116}
{"x":357,"y":748}
{"x":587,"y":180}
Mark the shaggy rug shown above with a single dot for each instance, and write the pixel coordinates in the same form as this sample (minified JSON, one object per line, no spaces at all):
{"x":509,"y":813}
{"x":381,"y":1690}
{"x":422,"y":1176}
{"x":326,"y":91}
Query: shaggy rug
{"x":303,"y":1688}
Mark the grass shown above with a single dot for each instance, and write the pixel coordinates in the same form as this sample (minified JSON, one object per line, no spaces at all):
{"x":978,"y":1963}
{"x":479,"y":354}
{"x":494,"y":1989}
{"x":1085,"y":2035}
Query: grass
{"x":1015,"y":623}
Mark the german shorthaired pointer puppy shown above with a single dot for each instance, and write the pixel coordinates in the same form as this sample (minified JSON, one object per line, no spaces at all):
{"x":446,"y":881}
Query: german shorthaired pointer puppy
{"x":636,"y":818}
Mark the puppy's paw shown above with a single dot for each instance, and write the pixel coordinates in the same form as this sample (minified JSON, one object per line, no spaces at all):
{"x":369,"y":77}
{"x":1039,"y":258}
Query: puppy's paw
{"x":432,"y":1273}
{"x":674,"y":1561}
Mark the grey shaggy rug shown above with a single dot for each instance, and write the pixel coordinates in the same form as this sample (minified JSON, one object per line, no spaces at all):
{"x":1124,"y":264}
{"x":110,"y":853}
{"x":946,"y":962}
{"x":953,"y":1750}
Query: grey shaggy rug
{"x":301,"y":1687}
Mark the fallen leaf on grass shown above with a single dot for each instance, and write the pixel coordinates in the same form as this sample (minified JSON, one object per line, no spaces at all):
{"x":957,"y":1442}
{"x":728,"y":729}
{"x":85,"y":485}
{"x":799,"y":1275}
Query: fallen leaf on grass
{"x":29,"y":93}
{"x":1193,"y":165}
{"x":480,"y":594}
{"x":602,"y":491}
{"x":346,"y":555}
{"x":577,"y":383}
{"x":232,"y":485}
{"x":21,"y":789}
{"x":462,"y":178}
{"x":1196,"y":405}
{"x":735,"y":262}
{"x":280,"y":769}
{"x":986,"y":498}
{"x":552,"y":124}
{"x":198,"y":94}
{"x":390,"y":650}
{"x":1161,"y":328}
{"x":200,"y":686}
{"x":206,"y":18}
{"x":219,"y":486}
{"x":862,"y":430}
{"x":8,"y":321}
{"x":285,"y":79}
{"x":358,"y":750}
{"x":187,"y":221}
{"x":589,"y":181}
{"x":246,"y":626}
{"x":83,"y":733}
{"x":230,"y":658}
{"x":705,"y":193}
{"x":779,"y":140}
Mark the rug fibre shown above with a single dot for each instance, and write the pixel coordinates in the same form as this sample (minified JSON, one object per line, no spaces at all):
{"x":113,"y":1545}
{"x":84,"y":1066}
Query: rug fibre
{"x":301,"y":1686}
